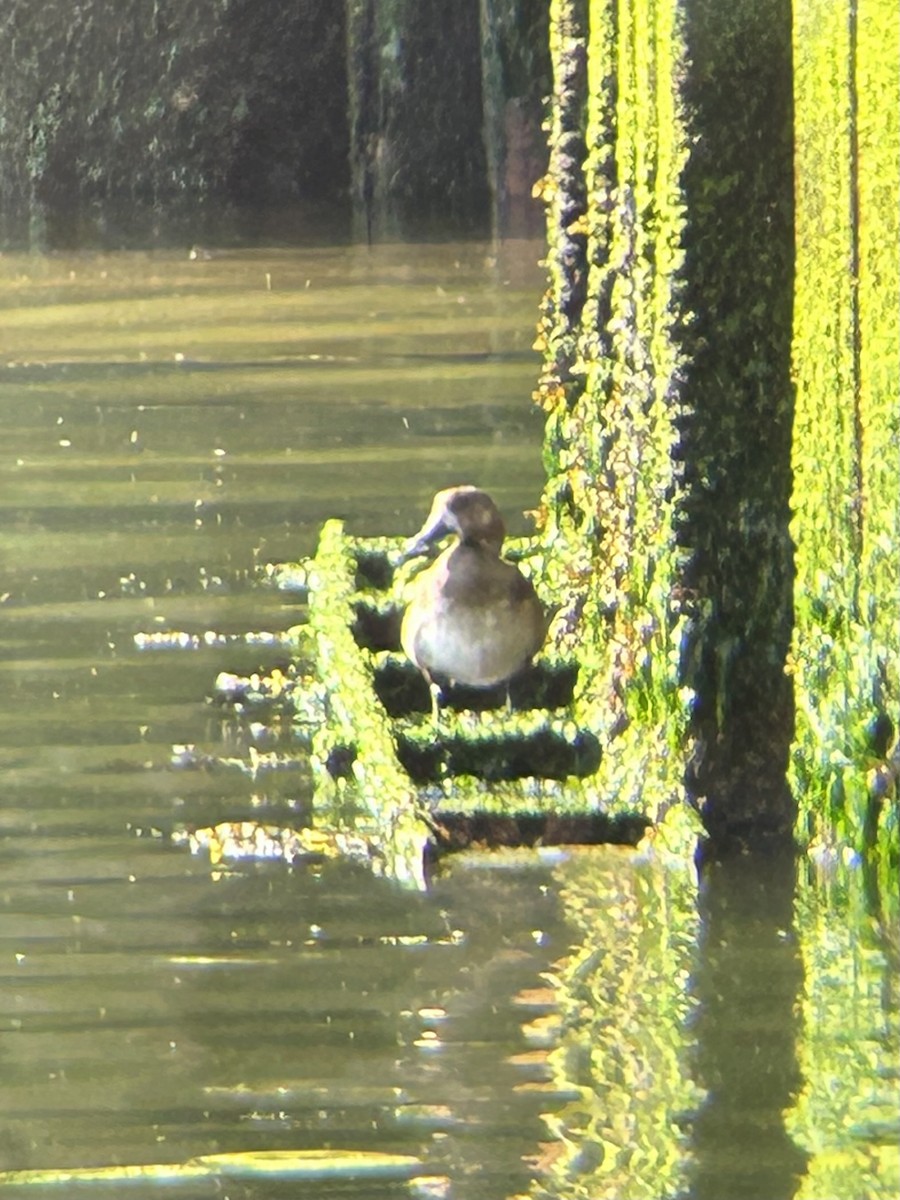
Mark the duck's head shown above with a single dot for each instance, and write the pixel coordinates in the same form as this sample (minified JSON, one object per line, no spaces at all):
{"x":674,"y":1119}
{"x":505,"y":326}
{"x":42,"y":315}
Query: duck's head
{"x":466,"y":511}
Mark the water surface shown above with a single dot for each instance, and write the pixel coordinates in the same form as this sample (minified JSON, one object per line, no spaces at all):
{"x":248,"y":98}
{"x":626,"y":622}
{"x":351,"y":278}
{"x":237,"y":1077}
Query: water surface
{"x":582,"y":1023}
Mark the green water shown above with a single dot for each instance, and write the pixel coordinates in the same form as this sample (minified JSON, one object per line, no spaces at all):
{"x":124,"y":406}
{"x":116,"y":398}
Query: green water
{"x":577,"y":1024}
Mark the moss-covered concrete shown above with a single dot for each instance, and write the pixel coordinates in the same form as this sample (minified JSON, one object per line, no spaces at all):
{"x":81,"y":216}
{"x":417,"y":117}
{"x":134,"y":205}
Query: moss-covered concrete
{"x":608,"y":387}
{"x":165,"y":121}
{"x":846,"y":451}
{"x":722,"y":226}
{"x":733,"y":510}
{"x":258,"y":119}
{"x":498,"y":766}
{"x":359,"y":785}
{"x":417,"y":154}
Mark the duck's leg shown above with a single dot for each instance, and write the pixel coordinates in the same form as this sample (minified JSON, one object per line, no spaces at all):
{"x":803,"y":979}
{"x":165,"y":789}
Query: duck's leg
{"x":435,"y":690}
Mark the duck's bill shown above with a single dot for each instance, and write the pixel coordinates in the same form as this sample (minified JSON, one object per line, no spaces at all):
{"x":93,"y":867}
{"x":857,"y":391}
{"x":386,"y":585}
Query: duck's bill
{"x":423,"y":541}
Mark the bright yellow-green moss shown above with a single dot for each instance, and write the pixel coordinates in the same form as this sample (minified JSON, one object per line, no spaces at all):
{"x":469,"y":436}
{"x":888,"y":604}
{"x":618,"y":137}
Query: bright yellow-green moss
{"x":673,"y":247}
{"x":608,"y":391}
{"x":847,"y":426}
{"x":360,"y":787}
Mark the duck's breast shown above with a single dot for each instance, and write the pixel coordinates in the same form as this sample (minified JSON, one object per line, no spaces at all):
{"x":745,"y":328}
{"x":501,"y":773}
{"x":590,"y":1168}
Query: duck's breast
{"x":474,"y":619}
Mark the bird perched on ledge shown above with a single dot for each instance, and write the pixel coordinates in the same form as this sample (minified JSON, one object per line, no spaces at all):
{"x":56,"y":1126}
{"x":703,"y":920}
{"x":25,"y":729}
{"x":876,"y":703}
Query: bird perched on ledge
{"x":472,"y":618}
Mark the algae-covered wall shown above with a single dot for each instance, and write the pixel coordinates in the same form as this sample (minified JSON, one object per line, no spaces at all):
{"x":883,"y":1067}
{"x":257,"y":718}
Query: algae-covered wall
{"x":150,"y":121}
{"x":515,"y":73}
{"x":846,"y":455}
{"x":444,"y":107}
{"x":734,"y":503}
{"x":415,"y":112}
{"x":683,"y":313}
{"x":128,"y":121}
{"x":609,"y":385}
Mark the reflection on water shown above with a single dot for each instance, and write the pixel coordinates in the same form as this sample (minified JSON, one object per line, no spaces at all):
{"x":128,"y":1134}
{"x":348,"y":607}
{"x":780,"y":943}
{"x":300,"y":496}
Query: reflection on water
{"x":735,"y":1040}
{"x":169,"y":426}
{"x":847,"y":1114}
{"x":747,"y":985}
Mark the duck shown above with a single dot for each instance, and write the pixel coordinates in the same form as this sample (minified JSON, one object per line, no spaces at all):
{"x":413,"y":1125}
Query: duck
{"x":472,"y":618}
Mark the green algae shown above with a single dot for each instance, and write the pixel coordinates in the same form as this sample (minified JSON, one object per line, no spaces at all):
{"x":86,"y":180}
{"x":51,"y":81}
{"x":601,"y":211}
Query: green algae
{"x":846,"y":651}
{"x":385,"y":771}
{"x":359,"y":785}
{"x":718,"y":392}
{"x":607,"y":387}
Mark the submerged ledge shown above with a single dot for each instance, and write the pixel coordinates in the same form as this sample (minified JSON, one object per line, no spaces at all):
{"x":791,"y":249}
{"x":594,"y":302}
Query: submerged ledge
{"x":495,"y":770}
